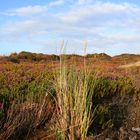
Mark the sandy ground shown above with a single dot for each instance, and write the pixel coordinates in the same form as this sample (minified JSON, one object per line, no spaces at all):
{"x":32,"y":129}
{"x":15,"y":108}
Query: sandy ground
{"x":135,"y":77}
{"x":136,"y":64}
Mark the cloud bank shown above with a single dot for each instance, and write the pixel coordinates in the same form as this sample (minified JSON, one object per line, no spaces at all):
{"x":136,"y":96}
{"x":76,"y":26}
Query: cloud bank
{"x":104,"y":25}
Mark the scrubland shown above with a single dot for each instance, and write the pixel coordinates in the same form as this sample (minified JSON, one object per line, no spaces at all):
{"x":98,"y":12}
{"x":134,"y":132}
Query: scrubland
{"x":69,"y":97}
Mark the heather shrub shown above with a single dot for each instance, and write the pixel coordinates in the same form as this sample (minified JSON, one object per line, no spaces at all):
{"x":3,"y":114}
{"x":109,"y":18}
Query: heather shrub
{"x":24,"y":103}
{"x":111,"y":97}
{"x":83,"y":102}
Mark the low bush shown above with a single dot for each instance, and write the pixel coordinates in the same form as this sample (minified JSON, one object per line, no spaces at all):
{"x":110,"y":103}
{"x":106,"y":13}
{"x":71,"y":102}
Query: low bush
{"x":83,"y":102}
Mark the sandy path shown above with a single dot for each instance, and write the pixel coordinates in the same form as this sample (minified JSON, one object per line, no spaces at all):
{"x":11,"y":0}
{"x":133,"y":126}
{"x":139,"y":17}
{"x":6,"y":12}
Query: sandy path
{"x":136,"y":64}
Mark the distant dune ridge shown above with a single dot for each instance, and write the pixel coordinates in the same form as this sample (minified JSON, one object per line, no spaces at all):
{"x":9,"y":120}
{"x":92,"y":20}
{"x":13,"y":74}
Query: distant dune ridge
{"x":125,"y":60}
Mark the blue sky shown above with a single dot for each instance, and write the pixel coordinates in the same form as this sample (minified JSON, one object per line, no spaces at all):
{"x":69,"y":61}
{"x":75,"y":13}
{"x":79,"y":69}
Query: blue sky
{"x":110,"y":26}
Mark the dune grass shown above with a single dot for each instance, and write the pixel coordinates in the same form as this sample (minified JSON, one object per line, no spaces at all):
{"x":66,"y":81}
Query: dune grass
{"x":74,"y":90}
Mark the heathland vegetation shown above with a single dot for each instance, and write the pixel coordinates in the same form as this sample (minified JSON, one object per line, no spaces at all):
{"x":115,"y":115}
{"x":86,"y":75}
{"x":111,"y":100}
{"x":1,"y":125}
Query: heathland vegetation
{"x":69,"y":97}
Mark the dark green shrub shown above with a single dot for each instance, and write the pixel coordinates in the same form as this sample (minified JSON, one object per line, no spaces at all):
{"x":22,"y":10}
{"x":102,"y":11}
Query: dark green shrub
{"x":111,"y":99}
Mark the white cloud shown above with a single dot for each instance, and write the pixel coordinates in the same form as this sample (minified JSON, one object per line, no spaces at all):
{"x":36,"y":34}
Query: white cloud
{"x":99,"y":9}
{"x":56,"y":3}
{"x":30,"y":10}
{"x":27,"y":10}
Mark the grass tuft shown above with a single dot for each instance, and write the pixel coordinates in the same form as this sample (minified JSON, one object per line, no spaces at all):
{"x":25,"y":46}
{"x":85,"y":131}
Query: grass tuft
{"x":73,"y":102}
